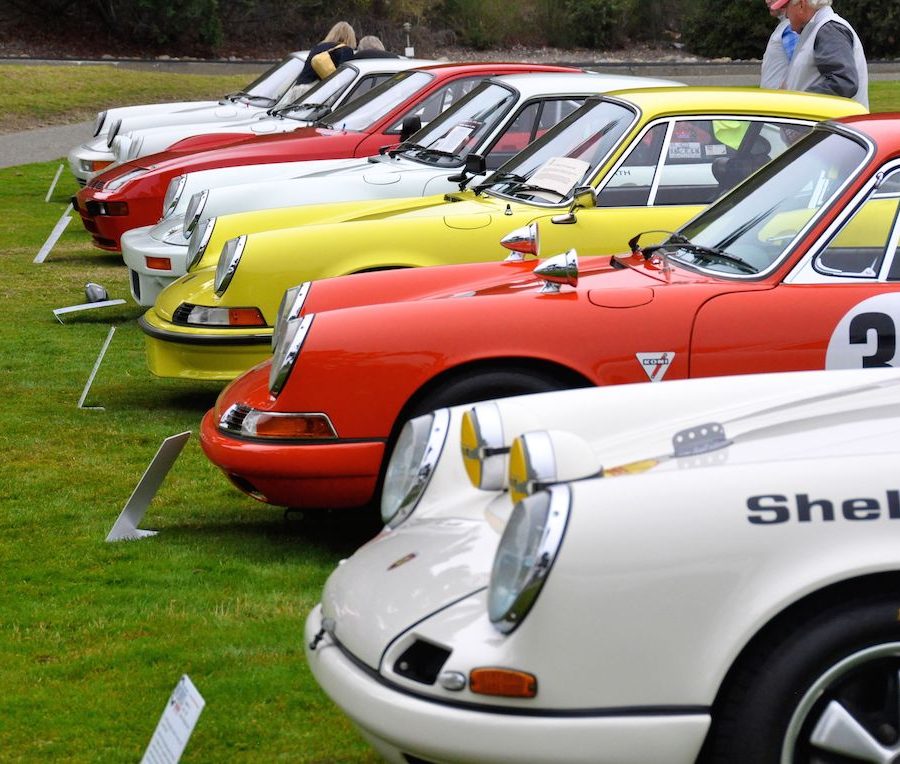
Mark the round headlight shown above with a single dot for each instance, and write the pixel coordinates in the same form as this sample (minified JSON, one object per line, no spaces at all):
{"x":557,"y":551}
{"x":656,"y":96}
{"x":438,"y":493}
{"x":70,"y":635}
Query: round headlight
{"x":173,"y":194}
{"x":229,"y":260}
{"x":98,"y":122}
{"x":412,"y":465}
{"x":194,"y":211}
{"x":290,"y":307}
{"x":199,"y":240}
{"x":285,"y":355}
{"x":483,"y":446}
{"x":525,"y":555}
{"x":113,"y":132}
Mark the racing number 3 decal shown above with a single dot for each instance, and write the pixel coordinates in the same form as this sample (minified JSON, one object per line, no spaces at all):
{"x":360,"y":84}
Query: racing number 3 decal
{"x":866,"y":337}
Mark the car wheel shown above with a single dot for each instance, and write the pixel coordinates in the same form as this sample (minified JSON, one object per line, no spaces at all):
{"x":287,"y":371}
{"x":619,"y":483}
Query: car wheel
{"x":484,"y":385}
{"x":825,"y":692}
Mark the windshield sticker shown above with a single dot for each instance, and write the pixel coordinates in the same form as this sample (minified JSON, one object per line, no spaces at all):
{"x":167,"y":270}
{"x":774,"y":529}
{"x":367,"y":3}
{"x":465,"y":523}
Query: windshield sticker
{"x":655,"y":365}
{"x":715,"y":150}
{"x":687,"y":150}
{"x":866,"y":337}
{"x":559,"y":174}
{"x":454,"y":140}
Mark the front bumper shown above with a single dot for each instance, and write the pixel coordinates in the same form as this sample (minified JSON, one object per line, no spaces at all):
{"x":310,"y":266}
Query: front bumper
{"x":146,"y":282}
{"x":107,"y":230}
{"x":396,"y":723}
{"x":324,"y":474}
{"x":190,"y":353}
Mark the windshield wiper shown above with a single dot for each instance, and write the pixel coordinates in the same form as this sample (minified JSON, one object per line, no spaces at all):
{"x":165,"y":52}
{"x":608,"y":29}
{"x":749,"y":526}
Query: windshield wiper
{"x":543,"y":189}
{"x":404,"y":147}
{"x":500,"y":177}
{"x":710,"y":254}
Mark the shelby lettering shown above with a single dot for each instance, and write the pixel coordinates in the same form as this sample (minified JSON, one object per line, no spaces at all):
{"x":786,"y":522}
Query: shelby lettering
{"x":771,"y":509}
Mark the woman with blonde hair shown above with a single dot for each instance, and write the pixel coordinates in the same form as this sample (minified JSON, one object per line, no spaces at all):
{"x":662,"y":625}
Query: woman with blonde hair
{"x":324,"y":57}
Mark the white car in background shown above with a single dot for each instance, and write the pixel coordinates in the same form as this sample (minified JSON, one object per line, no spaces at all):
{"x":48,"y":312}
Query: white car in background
{"x":721,"y":577}
{"x":263,"y":93}
{"x":482,"y":131}
{"x":292,"y":111}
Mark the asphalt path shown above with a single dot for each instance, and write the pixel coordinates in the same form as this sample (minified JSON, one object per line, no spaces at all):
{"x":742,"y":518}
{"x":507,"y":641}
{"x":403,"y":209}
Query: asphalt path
{"x":44,"y":144}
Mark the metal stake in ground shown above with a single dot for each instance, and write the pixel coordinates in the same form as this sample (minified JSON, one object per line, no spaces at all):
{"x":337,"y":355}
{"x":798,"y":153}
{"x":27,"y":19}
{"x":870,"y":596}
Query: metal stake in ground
{"x":126,"y":526}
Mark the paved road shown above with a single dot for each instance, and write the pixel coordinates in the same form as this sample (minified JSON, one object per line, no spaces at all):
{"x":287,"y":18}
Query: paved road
{"x":48,"y":143}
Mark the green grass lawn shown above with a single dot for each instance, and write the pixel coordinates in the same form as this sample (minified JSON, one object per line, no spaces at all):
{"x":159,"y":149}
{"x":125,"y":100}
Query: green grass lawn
{"x":94,"y":636}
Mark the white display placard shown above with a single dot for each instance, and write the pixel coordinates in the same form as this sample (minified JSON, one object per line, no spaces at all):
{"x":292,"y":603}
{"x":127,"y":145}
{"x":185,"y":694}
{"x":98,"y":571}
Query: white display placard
{"x":87,"y":386}
{"x":559,"y":174}
{"x":176,"y":724}
{"x":54,"y":236}
{"x":53,"y":183}
{"x":85,"y":306}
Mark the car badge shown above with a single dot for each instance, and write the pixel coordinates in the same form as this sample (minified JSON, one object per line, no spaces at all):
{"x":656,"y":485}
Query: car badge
{"x":402,"y":561}
{"x":655,"y":364}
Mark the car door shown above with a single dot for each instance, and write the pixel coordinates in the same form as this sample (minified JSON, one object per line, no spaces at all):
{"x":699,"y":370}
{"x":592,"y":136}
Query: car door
{"x":838,"y":308}
{"x":672,"y":170}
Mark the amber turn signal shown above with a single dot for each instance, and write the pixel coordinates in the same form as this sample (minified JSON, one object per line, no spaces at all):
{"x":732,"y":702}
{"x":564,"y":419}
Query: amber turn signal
{"x":158,"y":263}
{"x":506,"y":682}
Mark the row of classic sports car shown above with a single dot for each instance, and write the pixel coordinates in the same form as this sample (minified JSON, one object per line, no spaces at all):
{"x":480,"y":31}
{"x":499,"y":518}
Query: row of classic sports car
{"x":753,"y":620}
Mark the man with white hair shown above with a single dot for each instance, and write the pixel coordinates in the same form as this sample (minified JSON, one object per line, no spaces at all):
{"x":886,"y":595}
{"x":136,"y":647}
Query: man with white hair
{"x":779,"y":51}
{"x":829,"y":57}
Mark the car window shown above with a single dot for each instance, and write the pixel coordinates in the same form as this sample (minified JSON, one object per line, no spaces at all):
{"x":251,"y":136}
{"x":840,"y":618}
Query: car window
{"x":858,"y":248}
{"x":530,"y":123}
{"x":630,"y":184}
{"x":439,"y":101}
{"x":365,"y":84}
{"x":369,"y":108}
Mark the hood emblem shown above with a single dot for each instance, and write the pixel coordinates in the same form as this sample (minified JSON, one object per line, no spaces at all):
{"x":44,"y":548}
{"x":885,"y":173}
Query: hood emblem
{"x":402,"y":561}
{"x":655,"y":364}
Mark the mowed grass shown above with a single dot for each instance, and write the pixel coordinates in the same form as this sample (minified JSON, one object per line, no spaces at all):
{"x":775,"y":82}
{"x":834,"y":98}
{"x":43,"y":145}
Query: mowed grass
{"x":53,"y":95}
{"x":94,"y":636}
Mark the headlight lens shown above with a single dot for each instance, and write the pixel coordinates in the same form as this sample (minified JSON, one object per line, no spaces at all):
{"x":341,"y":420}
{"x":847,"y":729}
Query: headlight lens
{"x":525,"y":555}
{"x":290,"y":307}
{"x":98,"y":123}
{"x":194,"y":211}
{"x":285,"y":355}
{"x":531,"y":463}
{"x":199,"y":241}
{"x":173,"y":194}
{"x":483,"y":447}
{"x":121,"y":180}
{"x":229,"y":260}
{"x":241,"y":420}
{"x":412,"y":465}
{"x":188,"y":314}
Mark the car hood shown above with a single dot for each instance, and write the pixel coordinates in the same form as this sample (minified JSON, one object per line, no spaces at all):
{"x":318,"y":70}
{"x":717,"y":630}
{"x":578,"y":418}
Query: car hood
{"x":405,"y":575}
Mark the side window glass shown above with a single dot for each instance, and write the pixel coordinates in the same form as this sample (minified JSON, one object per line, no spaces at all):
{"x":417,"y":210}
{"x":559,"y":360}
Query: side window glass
{"x":631,"y":183}
{"x":706,"y":158}
{"x":515,"y":138}
{"x":439,"y":101}
{"x":858,"y":249}
{"x":365,"y":84}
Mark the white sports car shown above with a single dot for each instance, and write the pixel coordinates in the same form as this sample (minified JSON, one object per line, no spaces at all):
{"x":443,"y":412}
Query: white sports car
{"x":263,"y":93}
{"x":495,"y":121}
{"x":726,"y":586}
{"x":293,"y":110}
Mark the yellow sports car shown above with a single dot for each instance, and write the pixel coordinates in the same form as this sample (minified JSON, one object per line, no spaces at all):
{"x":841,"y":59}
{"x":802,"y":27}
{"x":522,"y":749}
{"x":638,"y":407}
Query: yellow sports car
{"x":641,"y":160}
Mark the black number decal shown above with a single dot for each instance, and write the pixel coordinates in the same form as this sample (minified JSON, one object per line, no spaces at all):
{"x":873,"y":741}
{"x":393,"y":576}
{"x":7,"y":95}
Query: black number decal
{"x":885,"y":338}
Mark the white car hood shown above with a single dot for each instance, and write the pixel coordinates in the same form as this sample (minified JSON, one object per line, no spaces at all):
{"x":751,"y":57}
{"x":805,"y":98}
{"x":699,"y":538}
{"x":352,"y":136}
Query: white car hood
{"x":403,"y":576}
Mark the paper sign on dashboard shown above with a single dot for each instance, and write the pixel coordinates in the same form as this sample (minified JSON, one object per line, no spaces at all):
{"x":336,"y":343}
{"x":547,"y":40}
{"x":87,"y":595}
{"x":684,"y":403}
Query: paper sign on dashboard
{"x":559,"y":174}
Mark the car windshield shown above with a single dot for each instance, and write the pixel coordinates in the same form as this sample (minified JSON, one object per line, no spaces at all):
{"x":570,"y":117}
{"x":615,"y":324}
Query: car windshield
{"x":318,"y":100}
{"x":565,"y":157}
{"x":360,"y":114}
{"x":449,"y":138}
{"x":273,"y":83}
{"x":751,"y":228}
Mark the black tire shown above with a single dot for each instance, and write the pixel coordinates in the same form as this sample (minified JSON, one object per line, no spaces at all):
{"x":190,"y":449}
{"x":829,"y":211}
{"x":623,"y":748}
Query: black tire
{"x":484,"y":385}
{"x":835,"y":670}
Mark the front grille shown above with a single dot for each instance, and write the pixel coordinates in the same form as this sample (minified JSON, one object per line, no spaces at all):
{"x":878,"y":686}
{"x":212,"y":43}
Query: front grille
{"x":234,"y":417}
{"x":95,"y":182}
{"x":421,"y":662}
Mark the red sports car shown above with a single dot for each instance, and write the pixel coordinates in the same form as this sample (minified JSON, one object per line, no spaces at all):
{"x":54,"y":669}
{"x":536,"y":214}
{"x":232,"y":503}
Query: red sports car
{"x":796,"y":268}
{"x":133,"y":194}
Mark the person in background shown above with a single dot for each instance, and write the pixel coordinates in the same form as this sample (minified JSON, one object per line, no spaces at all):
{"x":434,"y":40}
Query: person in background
{"x":371,"y":46}
{"x":829,"y":57}
{"x":779,"y":51}
{"x":339,"y":43}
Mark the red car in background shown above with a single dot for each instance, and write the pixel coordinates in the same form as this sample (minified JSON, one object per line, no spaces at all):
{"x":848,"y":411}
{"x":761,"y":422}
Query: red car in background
{"x":797,"y":268}
{"x":132,"y":194}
